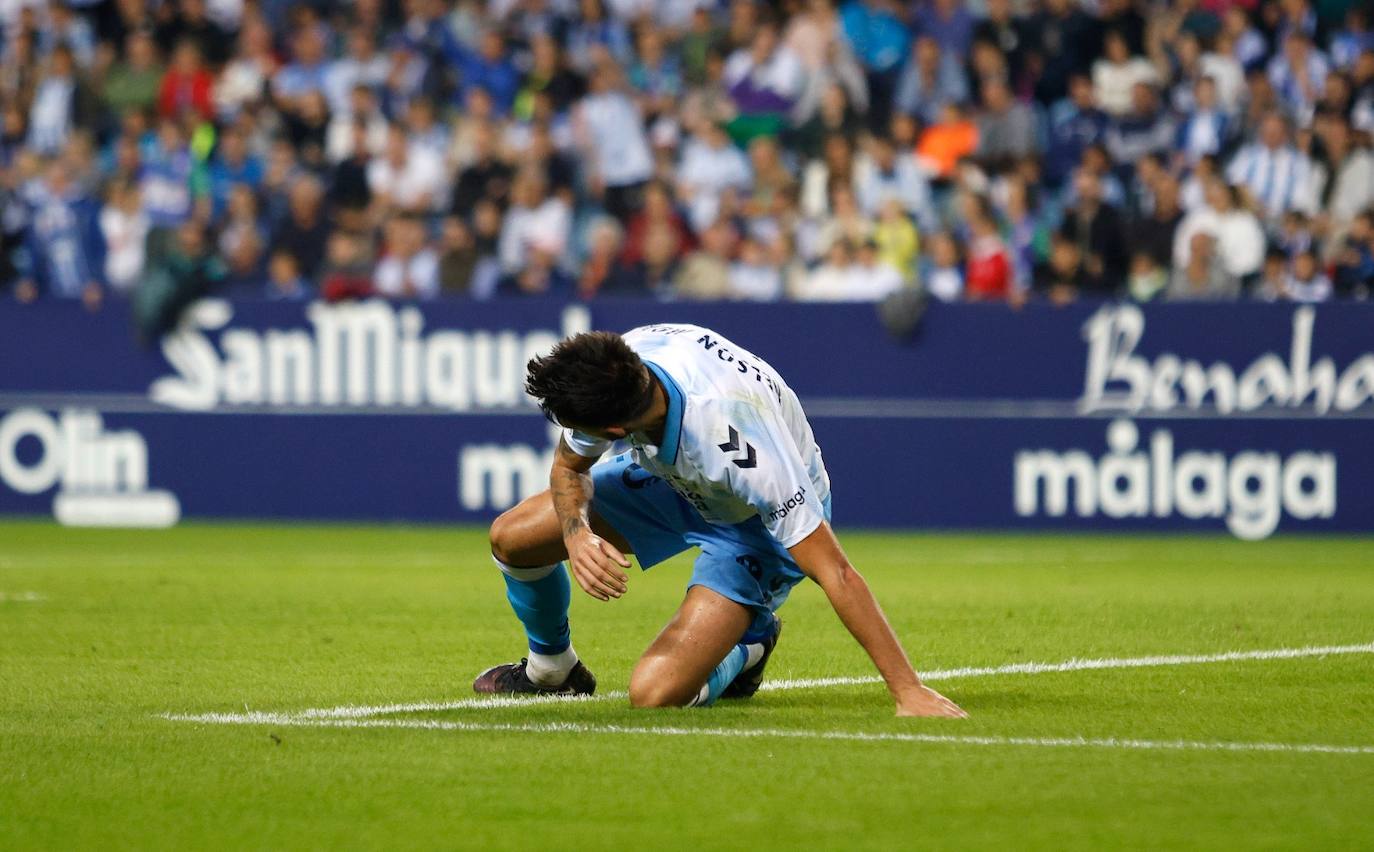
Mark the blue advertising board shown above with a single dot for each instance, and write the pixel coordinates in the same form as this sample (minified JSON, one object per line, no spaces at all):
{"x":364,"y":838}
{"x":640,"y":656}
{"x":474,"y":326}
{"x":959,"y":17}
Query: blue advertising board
{"x":1247,"y":418}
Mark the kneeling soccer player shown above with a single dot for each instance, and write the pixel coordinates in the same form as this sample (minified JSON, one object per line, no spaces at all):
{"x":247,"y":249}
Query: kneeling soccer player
{"x":722,"y":458}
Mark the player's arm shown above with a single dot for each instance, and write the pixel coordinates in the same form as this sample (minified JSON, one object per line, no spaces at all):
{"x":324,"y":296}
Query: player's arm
{"x":596,"y":564}
{"x":821,"y":558}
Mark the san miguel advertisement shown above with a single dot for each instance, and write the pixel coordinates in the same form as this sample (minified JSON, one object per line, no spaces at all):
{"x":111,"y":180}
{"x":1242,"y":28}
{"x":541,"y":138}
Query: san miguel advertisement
{"x":1241,"y":418}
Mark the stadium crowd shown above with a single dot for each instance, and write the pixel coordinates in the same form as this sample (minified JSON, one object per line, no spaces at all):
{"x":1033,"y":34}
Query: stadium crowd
{"x":687,"y":149}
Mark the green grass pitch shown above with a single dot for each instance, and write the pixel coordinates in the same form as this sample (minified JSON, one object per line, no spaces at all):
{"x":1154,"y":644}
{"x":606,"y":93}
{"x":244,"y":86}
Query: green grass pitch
{"x":101,"y":632}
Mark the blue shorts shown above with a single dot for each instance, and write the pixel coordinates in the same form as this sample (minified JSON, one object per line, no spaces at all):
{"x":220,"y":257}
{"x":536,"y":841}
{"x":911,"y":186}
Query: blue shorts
{"x":742,"y":562}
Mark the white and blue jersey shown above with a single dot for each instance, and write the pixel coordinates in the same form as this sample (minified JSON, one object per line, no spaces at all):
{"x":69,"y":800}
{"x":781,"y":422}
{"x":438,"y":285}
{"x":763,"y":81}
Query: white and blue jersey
{"x":65,"y":248}
{"x":739,"y":473}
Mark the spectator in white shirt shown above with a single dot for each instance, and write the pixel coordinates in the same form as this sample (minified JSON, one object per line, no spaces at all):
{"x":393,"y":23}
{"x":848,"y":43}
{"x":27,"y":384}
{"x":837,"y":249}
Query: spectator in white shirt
{"x":409,"y":269}
{"x":883,"y":174}
{"x":711,"y":164}
{"x":829,"y":281}
{"x":1117,"y":73}
{"x":340,"y":136}
{"x":125,"y":229}
{"x":1239,"y":237}
{"x":406,"y":177}
{"x":363,"y":66}
{"x":536,"y":222}
{"x":765,"y":78}
{"x":610,"y":131}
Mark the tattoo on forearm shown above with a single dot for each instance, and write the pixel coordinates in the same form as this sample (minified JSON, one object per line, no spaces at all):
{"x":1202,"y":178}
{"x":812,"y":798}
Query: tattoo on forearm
{"x":571,"y":496}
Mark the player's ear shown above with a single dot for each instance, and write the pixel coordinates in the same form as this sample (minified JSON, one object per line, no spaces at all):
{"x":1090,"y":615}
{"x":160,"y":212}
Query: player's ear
{"x":617,"y":432}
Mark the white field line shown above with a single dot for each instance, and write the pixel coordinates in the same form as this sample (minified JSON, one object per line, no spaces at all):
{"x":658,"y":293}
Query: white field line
{"x":22,"y":597}
{"x":1075,"y":665}
{"x":762,"y":733}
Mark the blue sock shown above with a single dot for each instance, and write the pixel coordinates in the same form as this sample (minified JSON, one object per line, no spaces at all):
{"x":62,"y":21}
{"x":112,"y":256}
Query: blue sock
{"x":540,"y":598}
{"x":722,"y":676}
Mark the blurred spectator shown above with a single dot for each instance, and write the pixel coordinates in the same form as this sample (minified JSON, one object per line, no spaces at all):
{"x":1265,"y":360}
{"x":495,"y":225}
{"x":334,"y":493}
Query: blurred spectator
{"x":615,"y":148}
{"x":1064,"y":40}
{"x":657,"y":215}
{"x":489,"y":69}
{"x":897,"y":239}
{"x":409,"y":269}
{"x":134,"y":82}
{"x":1063,"y":276}
{"x":537,"y":225}
{"x":284,"y":281}
{"x":189,"y":22}
{"x":1075,"y":123}
{"x":705,"y":274}
{"x":233,"y":165}
{"x":361,"y":66}
{"x":1306,"y":282}
{"x":1007,"y":129}
{"x":1343,"y":178}
{"x":347,"y":269}
{"x":944,"y":144}
{"x":1148,"y":278}
{"x":711,"y":165}
{"x":1206,"y":128}
{"x":765,"y":81}
{"x":931,"y":80}
{"x":988,"y":269}
{"x":463,"y":267}
{"x":61,"y":102}
{"x":407,"y":177}
{"x":246,"y":76}
{"x":1117,"y":73}
{"x":1239,"y":237}
{"x":1146,"y":129}
{"x":871,"y":280}
{"x":752,"y":276}
{"x":881,"y":174}
{"x":829,"y":281}
{"x":243,"y":241}
{"x":1153,"y":234}
{"x":1096,"y":229}
{"x":64,"y":242}
{"x":186,"y":85}
{"x":1354,"y":259}
{"x":1272,"y":171}
{"x":1298,"y":73}
{"x":1204,"y":278}
{"x":874,"y":29}
{"x":305,"y":228}
{"x":944,"y":277}
{"x":165,"y":184}
{"x":124,"y":229}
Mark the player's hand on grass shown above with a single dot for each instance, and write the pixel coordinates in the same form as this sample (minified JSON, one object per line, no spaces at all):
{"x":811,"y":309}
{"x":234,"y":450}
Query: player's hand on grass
{"x":597,"y":565}
{"x":924,"y":701}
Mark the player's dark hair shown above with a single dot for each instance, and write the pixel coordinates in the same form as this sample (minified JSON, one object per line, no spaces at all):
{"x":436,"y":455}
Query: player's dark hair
{"x":591,"y":379}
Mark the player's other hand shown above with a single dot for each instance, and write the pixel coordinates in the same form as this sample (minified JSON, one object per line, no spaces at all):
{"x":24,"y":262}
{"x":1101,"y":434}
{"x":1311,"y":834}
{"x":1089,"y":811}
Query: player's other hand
{"x":597,"y":565}
{"x":925,"y":701}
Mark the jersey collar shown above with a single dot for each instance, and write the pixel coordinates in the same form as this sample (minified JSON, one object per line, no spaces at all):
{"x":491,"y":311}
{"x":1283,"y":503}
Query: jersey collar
{"x":672,"y":427}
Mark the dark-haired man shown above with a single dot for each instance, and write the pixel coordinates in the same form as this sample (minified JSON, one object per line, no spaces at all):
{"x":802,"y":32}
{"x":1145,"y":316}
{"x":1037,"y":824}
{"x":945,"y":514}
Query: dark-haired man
{"x":722,"y":458}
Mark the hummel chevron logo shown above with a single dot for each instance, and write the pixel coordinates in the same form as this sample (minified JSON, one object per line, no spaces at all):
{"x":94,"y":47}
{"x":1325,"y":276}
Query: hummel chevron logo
{"x":751,"y":458}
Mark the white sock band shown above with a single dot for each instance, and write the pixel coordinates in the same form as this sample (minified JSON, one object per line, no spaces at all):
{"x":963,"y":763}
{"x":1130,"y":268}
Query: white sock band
{"x":525,"y":575}
{"x":753,"y":653}
{"x":551,"y":669}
